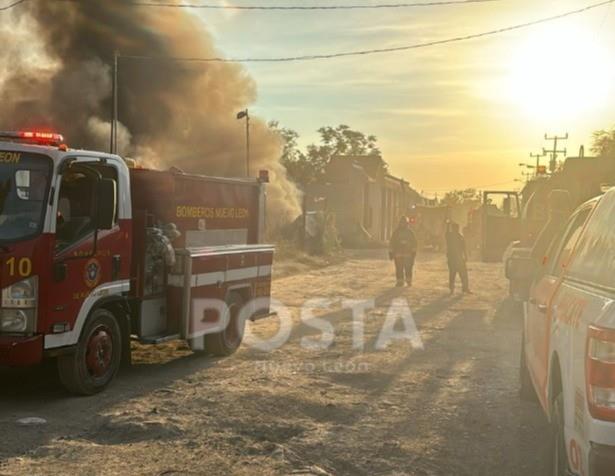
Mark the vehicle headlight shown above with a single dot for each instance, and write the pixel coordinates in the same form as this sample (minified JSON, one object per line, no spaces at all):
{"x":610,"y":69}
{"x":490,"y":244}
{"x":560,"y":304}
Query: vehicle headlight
{"x":19,"y":302}
{"x":16,"y":320}
{"x":21,"y":295}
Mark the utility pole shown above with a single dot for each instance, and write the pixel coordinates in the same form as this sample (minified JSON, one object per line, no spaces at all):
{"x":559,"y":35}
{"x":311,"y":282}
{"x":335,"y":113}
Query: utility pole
{"x":114,"y":114}
{"x":537,"y":157}
{"x":555,"y":152}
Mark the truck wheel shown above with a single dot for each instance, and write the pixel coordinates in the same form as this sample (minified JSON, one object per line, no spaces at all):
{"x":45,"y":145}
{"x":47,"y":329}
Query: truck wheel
{"x":97,"y":358}
{"x":527,"y":392}
{"x":559,"y":456}
{"x":228,"y":341}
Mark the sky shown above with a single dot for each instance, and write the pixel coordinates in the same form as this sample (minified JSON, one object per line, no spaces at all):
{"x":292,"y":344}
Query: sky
{"x":455,"y":116}
{"x":446,"y":117}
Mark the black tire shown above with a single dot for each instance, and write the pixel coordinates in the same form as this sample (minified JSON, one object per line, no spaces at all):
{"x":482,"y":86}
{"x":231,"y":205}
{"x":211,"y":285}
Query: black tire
{"x":527,"y":392}
{"x":558,"y":455}
{"x":227,"y":342}
{"x":97,"y":359}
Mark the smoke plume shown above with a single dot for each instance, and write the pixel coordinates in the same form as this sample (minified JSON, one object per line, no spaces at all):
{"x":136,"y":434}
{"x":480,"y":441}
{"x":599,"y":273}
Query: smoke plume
{"x":56,"y":70}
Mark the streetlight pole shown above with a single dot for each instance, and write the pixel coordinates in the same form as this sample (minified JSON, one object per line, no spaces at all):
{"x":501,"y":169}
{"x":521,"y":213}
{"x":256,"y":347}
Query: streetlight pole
{"x":240,"y":115}
{"x":527,"y":166}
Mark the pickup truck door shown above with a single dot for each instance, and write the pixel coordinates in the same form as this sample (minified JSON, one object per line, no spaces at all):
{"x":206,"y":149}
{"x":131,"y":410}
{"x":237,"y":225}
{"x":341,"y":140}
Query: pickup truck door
{"x":539,"y":309}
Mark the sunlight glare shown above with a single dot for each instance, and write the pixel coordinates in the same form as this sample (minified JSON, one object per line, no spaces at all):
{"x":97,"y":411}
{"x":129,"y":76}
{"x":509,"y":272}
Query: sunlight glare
{"x":558,"y":73}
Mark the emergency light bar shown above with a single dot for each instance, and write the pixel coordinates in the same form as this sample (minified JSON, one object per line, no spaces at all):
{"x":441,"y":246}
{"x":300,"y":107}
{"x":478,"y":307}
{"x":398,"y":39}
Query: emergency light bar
{"x":35,"y":137}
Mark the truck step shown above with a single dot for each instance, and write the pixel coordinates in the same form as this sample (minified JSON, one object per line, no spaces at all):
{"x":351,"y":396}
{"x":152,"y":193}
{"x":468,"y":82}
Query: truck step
{"x":258,"y":317}
{"x":158,"y":339}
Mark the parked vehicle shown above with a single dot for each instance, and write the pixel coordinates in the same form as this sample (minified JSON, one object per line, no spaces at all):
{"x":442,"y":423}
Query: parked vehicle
{"x":580,"y":178}
{"x":92,"y":253}
{"x":429,"y":223}
{"x":568,"y":349}
{"x":501,"y":223}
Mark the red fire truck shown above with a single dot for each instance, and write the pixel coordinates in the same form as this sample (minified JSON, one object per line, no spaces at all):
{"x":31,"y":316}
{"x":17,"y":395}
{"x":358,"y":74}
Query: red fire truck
{"x":94,"y":252}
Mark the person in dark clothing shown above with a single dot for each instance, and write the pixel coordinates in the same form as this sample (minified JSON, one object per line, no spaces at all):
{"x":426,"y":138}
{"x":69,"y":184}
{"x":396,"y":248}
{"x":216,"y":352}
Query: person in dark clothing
{"x":403,"y":252}
{"x":457,"y":257}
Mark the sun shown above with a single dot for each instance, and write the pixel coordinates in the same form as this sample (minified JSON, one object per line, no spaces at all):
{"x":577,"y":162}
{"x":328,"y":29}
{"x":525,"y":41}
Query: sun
{"x":558,"y":73}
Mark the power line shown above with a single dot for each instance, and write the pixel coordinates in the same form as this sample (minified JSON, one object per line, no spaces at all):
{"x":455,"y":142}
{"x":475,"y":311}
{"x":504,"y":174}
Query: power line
{"x":374,"y":51}
{"x":14,"y":4}
{"x":161,"y":4}
{"x":312,"y":7}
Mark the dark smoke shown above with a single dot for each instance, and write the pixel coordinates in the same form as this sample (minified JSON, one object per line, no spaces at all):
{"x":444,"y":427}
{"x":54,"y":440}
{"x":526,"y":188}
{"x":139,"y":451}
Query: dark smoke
{"x":56,"y":73}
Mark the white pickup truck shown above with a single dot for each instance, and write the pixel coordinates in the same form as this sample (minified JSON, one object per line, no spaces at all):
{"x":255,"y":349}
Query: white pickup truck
{"x":568,"y":350}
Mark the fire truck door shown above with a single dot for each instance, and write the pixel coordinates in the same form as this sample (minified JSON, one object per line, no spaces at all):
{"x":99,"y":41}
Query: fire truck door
{"x":86,"y":257}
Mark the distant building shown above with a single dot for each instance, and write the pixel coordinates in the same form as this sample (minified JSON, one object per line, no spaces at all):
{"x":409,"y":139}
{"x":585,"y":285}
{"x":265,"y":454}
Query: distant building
{"x":367,"y":201}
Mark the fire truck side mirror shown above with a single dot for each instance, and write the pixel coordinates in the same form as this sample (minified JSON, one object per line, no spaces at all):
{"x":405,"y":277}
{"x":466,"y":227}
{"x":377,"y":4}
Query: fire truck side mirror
{"x":107,"y":204}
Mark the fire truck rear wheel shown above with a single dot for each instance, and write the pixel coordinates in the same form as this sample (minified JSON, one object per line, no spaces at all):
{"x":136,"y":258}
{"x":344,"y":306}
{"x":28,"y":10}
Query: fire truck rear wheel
{"x":95,"y":363}
{"x":227,"y":342}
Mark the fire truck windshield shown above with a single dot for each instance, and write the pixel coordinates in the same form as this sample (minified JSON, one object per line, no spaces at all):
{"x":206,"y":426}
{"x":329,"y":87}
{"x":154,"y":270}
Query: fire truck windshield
{"x":24,"y":185}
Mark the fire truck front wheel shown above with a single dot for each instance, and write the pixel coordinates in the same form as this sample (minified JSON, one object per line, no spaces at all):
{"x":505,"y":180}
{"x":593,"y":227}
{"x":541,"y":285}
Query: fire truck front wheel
{"x":96,"y":360}
{"x":227,"y":342}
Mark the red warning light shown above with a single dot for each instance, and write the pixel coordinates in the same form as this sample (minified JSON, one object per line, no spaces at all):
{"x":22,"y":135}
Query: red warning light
{"x":42,"y":138}
{"x":52,"y":139}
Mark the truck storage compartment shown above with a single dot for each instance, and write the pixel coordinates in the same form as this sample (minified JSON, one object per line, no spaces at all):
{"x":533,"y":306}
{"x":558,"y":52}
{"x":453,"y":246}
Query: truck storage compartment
{"x":203,"y":278}
{"x":208,"y":211}
{"x":192,"y":221}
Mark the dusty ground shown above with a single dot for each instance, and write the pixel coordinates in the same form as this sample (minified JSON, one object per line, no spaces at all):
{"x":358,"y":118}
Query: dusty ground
{"x":449,"y":409}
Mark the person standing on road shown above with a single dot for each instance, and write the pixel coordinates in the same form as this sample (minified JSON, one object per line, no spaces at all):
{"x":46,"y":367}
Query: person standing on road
{"x":457,"y":257}
{"x":403,"y":251}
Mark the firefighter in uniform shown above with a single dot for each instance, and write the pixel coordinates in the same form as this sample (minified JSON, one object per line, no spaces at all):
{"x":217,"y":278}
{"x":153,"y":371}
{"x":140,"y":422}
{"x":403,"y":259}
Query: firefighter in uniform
{"x":403,"y":251}
{"x":457,"y":256}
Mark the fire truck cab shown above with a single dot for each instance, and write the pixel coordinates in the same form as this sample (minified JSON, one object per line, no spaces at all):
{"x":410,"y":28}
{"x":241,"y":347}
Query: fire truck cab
{"x":568,"y":350}
{"x":93,"y":253}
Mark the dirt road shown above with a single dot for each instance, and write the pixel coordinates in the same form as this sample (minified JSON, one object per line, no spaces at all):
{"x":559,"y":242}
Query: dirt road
{"x":448,"y":409}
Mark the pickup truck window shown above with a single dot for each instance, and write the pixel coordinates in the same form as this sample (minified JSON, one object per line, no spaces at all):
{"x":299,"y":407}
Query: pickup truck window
{"x":594,"y":260}
{"x":568,"y":242}
{"x":502,"y":204}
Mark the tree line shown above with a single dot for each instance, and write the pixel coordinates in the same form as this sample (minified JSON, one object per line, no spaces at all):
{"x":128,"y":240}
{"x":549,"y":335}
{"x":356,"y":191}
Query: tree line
{"x":308,"y":166}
